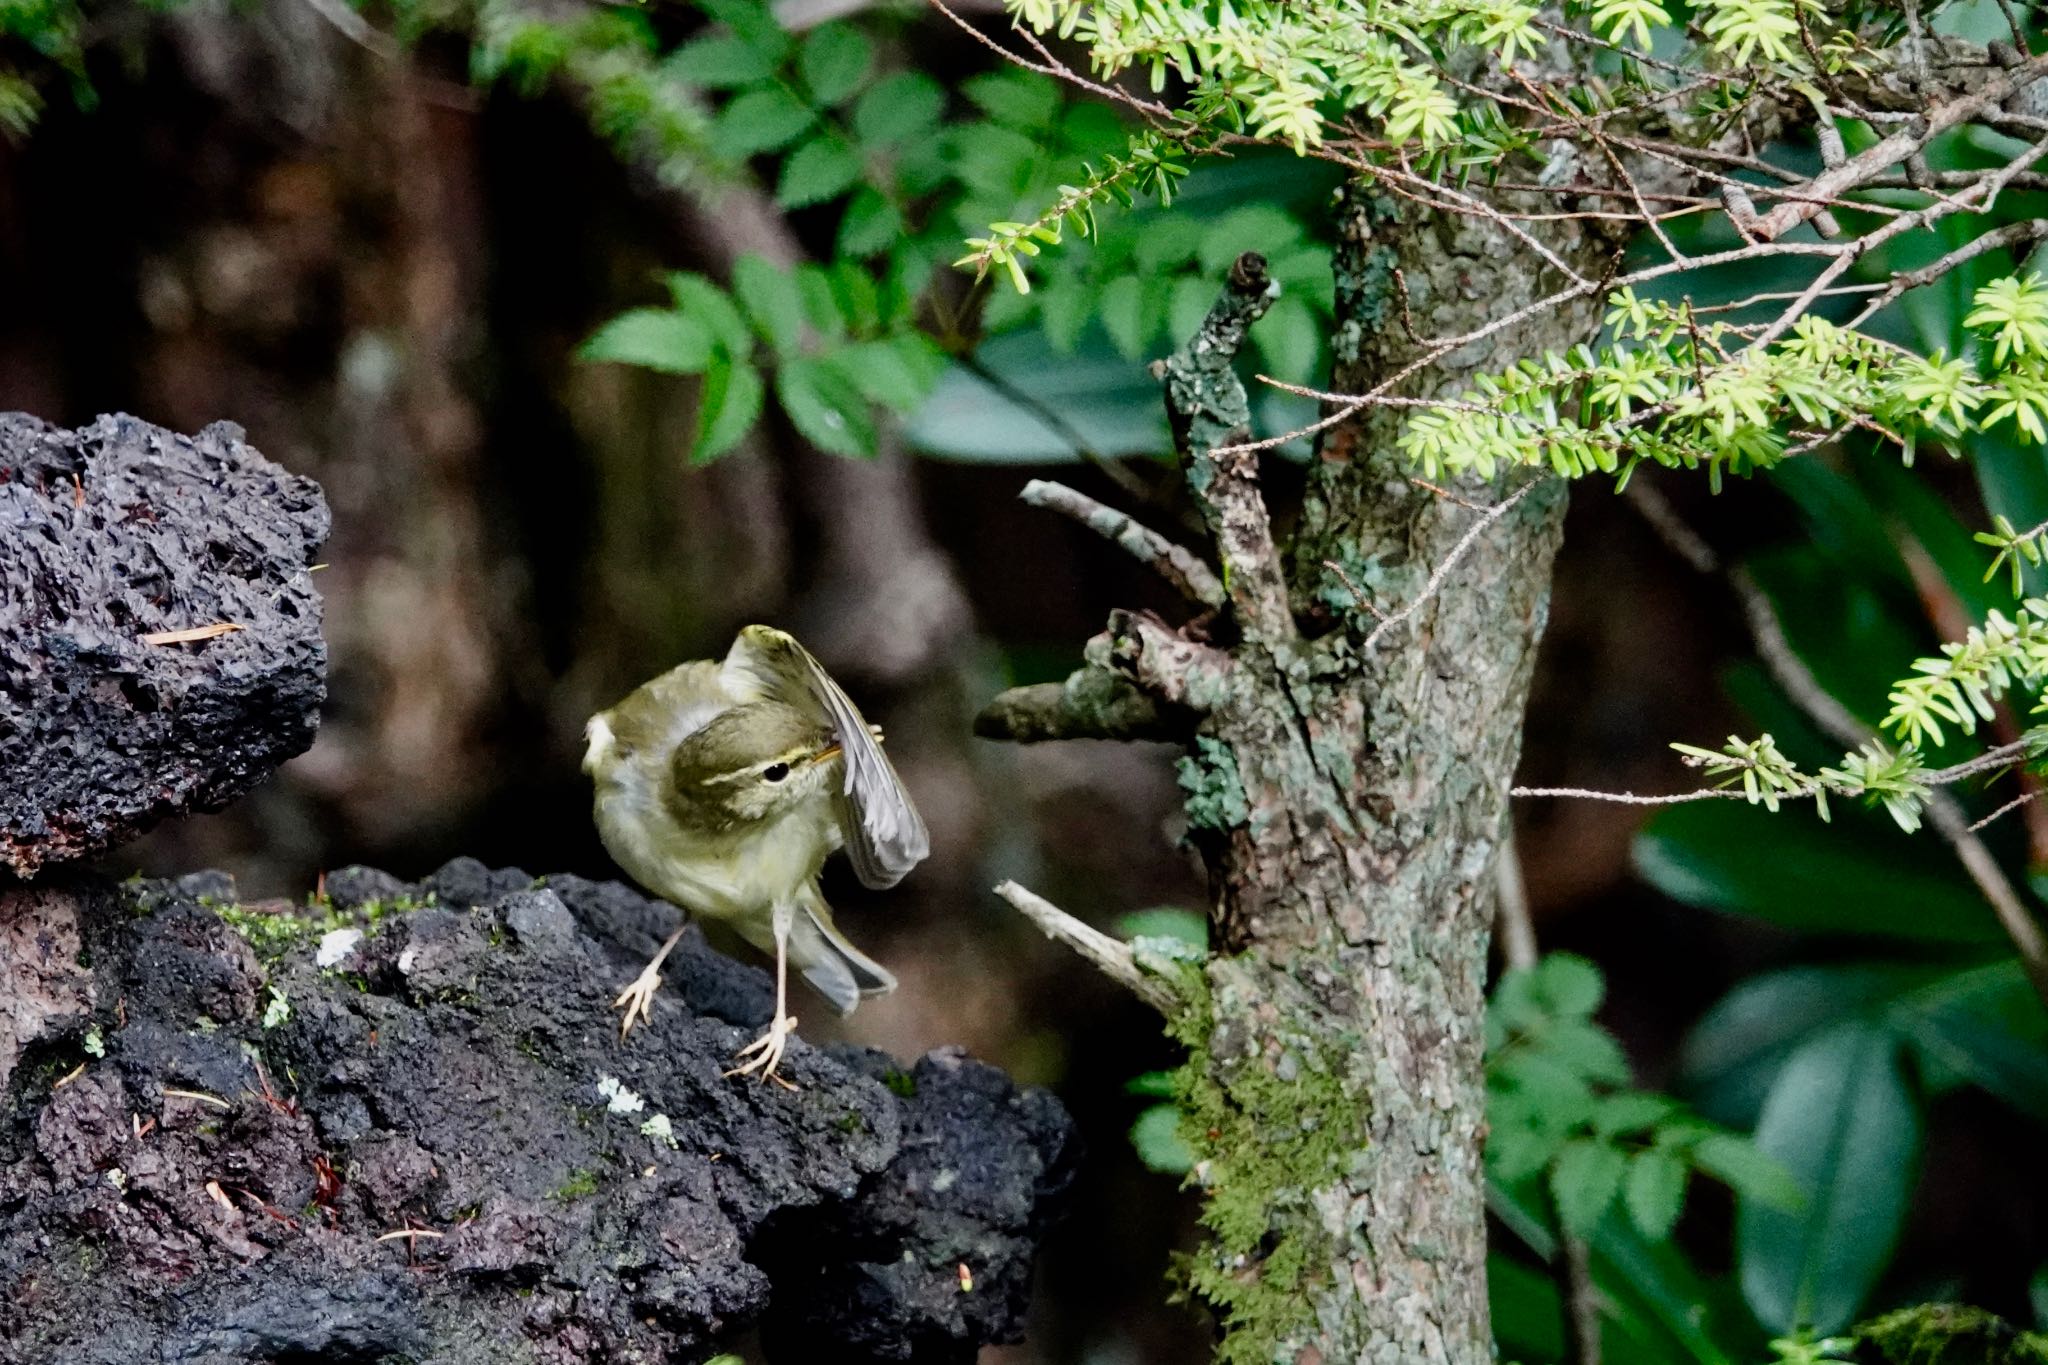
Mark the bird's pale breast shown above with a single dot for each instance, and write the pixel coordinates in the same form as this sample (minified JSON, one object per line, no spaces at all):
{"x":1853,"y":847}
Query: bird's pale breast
{"x":721,"y":875}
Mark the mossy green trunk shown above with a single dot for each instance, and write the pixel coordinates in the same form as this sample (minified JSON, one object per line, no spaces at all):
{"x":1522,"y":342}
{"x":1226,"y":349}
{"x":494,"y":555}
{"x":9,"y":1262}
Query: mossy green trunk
{"x":1349,"y":800}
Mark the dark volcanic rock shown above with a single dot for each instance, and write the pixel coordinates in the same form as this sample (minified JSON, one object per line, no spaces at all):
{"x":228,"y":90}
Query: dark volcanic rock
{"x":122,"y":530}
{"x":224,"y":1183}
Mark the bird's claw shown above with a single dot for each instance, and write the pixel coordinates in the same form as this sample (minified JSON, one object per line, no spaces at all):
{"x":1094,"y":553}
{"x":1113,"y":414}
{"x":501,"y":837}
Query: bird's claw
{"x":638,"y":999}
{"x":766,"y":1052}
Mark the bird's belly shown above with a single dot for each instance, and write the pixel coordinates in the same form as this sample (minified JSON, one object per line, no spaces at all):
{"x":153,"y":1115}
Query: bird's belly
{"x":722,"y":875}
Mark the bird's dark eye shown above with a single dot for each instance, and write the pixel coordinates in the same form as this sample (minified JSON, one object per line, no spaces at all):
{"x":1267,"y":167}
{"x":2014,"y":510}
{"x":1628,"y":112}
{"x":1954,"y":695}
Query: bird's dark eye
{"x":775,"y":772}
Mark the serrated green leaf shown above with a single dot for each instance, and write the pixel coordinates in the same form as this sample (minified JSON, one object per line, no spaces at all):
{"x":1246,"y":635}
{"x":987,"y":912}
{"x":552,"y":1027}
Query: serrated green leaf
{"x":897,"y":372}
{"x":834,"y":62}
{"x":763,"y":120}
{"x":1122,"y":310}
{"x":1167,"y":241}
{"x":1630,"y":1112}
{"x":1255,"y":227}
{"x":859,"y":301}
{"x":1305,"y":273}
{"x":1021,"y":99}
{"x":825,"y":407}
{"x":1842,"y":1120}
{"x":821,"y":301}
{"x":1654,"y":1191}
{"x":652,"y":338}
{"x":754,"y":23}
{"x":1289,"y":339}
{"x":994,"y":161}
{"x":1062,"y":312}
{"x":703,"y":301}
{"x":1191,"y":298}
{"x":870,"y":224}
{"x":772,"y":302}
{"x":718,"y":61}
{"x":821,"y":169}
{"x":727,"y":407}
{"x":1516,"y":1151}
{"x":1736,"y":1163}
{"x":1584,"y":1180}
{"x":1567,"y":984}
{"x":903,"y":108}
{"x":1589,"y":1050}
{"x":1156,"y":1139}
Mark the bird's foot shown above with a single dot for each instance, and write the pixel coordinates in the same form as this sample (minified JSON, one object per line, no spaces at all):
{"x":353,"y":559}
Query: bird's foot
{"x":764,"y":1054}
{"x":638,"y":999}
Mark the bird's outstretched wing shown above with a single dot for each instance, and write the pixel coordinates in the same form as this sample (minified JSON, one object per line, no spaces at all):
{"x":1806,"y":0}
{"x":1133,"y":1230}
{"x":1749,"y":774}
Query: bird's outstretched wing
{"x":885,"y":836}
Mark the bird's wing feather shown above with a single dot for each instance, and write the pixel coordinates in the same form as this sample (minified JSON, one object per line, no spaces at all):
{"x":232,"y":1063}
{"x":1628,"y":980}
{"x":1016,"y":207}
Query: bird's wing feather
{"x":885,"y":836}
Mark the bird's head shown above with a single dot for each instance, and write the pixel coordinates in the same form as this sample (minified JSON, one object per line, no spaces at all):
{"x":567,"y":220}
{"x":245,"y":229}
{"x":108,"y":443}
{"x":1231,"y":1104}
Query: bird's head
{"x":752,"y":762}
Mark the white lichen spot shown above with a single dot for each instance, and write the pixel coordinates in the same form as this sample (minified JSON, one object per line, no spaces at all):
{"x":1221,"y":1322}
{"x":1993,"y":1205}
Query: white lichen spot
{"x":657,"y":1127}
{"x":618,"y":1099}
{"x":278,"y":1010}
{"x":335,"y":946}
{"x":118,"y":1178}
{"x":95,"y":1046}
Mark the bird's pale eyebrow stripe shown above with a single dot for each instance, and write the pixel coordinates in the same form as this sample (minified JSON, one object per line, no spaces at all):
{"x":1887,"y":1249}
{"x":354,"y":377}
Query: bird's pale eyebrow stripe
{"x":789,"y":756}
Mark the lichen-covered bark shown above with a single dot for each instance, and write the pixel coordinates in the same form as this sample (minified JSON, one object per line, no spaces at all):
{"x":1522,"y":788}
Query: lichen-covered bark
{"x":1349,"y":803}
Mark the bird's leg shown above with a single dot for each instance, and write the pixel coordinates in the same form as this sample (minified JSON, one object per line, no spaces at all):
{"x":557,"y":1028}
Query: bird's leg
{"x":638,"y":998}
{"x":764,"y":1054}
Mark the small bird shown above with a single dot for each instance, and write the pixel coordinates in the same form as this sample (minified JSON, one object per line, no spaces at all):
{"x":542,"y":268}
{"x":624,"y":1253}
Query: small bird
{"x":723,"y":785}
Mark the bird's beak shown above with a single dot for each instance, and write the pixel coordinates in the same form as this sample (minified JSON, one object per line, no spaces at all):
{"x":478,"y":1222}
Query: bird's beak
{"x":829,"y":751}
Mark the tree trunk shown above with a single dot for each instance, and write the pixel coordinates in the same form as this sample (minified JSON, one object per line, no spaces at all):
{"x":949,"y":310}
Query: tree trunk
{"x":1348,"y":790}
{"x":1346,"y":785}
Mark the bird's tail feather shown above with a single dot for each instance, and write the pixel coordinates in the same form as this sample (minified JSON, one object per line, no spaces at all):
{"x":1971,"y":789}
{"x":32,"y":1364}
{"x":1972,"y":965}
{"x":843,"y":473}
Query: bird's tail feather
{"x":835,"y":968}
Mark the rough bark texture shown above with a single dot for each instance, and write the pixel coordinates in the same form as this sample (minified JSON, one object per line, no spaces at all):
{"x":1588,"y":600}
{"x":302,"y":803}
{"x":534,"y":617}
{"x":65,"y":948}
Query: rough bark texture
{"x":111,"y":535}
{"x":216,"y":1179}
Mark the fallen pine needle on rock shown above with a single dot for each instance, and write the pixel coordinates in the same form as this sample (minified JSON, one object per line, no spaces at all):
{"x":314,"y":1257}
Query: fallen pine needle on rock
{"x":192,"y":633}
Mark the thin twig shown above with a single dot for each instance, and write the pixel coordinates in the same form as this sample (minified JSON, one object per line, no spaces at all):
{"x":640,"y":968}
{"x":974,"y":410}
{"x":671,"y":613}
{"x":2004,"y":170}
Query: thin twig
{"x":1118,"y":473}
{"x":1632,"y":799}
{"x":1835,"y":720}
{"x":1450,"y":561}
{"x":2022,"y":799}
{"x":1176,"y":564}
{"x":1110,"y":956}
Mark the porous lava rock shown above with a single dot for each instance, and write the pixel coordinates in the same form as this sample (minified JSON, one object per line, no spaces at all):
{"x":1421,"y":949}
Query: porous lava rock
{"x":112,"y":538}
{"x":400,"y":1126}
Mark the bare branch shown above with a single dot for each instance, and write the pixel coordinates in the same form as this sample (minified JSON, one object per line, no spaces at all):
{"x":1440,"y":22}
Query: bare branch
{"x":1837,"y":180}
{"x":1093,"y":703}
{"x":1110,"y":956}
{"x":1178,"y":566}
{"x":1168,"y":665}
